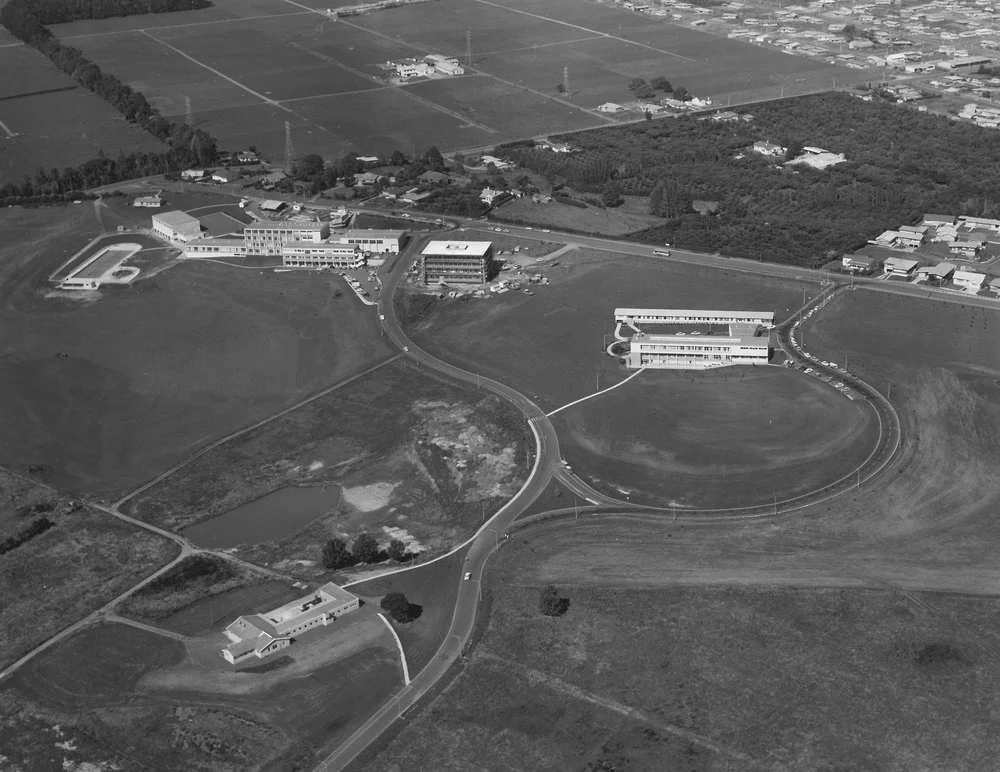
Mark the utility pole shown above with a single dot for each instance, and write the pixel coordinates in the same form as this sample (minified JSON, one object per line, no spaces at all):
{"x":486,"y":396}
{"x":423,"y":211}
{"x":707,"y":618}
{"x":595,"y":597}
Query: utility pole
{"x":566,"y":81}
{"x":188,"y":113}
{"x":289,"y":149}
{"x":468,"y":47}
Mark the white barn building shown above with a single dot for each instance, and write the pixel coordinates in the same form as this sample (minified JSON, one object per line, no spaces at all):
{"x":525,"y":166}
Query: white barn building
{"x":176,"y":226}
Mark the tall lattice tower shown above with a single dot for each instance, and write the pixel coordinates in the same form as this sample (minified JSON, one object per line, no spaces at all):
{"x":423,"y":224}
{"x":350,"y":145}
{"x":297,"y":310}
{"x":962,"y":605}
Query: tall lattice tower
{"x":188,"y":113}
{"x":289,"y":149}
{"x":468,"y":47}
{"x":566,"y":81}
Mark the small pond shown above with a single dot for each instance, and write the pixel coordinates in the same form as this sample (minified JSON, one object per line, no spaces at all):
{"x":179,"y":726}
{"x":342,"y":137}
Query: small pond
{"x":269,"y":518}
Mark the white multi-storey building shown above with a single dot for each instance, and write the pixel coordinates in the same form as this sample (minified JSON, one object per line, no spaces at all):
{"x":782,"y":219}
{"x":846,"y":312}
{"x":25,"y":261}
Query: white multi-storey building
{"x":267,"y":238}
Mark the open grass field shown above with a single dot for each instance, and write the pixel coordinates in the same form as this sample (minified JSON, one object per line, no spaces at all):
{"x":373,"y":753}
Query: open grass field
{"x":156,"y":370}
{"x":248,"y":68}
{"x":632,"y":215}
{"x":553,"y":343}
{"x":59,"y":128}
{"x":121,"y":693}
{"x":416,"y":457}
{"x":731,"y":437}
{"x":718,"y":678}
{"x":434,"y":588}
{"x":83,"y":560}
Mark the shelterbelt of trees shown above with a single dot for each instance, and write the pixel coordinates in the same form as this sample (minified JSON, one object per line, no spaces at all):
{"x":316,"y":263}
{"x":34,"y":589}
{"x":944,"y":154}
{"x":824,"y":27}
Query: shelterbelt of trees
{"x":900,"y":163}
{"x":27,"y":20}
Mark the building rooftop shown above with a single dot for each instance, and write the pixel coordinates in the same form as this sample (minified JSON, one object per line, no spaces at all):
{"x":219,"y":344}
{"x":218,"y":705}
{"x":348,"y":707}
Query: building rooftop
{"x":458,"y":248}
{"x":292,"y":225}
{"x":369,"y":233}
{"x":176,"y":218}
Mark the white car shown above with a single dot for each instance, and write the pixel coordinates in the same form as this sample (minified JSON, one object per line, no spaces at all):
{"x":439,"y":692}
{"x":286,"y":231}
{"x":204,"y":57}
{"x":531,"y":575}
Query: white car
{"x":381,"y":317}
{"x":468,"y":575}
{"x":528,"y":228}
{"x":546,"y":230}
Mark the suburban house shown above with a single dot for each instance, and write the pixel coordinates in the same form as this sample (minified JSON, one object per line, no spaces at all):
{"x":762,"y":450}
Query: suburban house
{"x":367,"y":178}
{"x":980,"y":222}
{"x":489,"y":195}
{"x":936,"y":274}
{"x":259,"y":635}
{"x":246,"y":157}
{"x":899,"y":239}
{"x":446,"y":65}
{"x":769,"y":149}
{"x":434,"y":178}
{"x":610,"y":107}
{"x":966,"y":247}
{"x":497,"y":162}
{"x":969,"y":280}
{"x":192,"y":174}
{"x":900,"y":266}
{"x":858,"y":263}
{"x":995,"y":285}
{"x":413,"y":68}
{"x":414,"y":196}
{"x":226,"y":178}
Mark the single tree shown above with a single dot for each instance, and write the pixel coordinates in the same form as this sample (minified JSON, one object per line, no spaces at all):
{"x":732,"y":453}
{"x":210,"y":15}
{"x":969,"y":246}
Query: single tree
{"x":656,"y":199}
{"x":434,"y":158}
{"x":308,"y":166}
{"x":682,"y":94}
{"x":649,"y":115}
{"x":336,"y":554}
{"x":365,"y":548}
{"x":793,"y":149}
{"x":397,"y":158}
{"x":660,"y":83}
{"x":397,"y":606}
{"x":397,"y":550}
{"x":551,"y":603}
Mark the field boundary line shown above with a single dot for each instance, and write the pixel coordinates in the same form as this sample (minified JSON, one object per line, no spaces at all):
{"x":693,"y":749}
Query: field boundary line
{"x":180,"y":26}
{"x":399,"y":645}
{"x":587,"y":29}
{"x":239,"y":432}
{"x":483,"y":528}
{"x":596,"y":393}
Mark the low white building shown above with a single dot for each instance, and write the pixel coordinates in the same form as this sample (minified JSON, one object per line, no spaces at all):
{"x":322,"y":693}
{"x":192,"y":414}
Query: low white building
{"x":634,"y":316}
{"x":154,"y":201}
{"x":610,"y":107}
{"x":267,"y":238}
{"x":176,"y":226}
{"x":258,"y":635}
{"x":413,"y":68}
{"x":192,"y":174}
{"x":900,"y":266}
{"x":224,"y":246}
{"x":768,"y":149}
{"x":446,"y":65}
{"x":308,"y":255}
{"x":697,"y":352}
{"x":488,"y":195}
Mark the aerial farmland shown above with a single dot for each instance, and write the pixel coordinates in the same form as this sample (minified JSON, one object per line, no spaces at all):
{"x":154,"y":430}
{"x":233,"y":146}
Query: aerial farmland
{"x":249,"y":69}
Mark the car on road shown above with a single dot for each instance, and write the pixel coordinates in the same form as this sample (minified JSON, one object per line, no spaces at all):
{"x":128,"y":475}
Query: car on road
{"x":439,"y":221}
{"x":468,"y":575}
{"x":406,"y":348}
{"x":528,"y":228}
{"x":808,"y":370}
{"x":381,"y":317}
{"x":546,"y":230}
{"x":406,"y":214}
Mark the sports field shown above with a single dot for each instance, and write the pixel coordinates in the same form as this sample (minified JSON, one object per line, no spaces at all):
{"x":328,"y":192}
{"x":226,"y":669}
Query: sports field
{"x":249,"y":68}
{"x":731,"y":437}
{"x":715,"y":678}
{"x":159,"y":369}
{"x":552,"y":346}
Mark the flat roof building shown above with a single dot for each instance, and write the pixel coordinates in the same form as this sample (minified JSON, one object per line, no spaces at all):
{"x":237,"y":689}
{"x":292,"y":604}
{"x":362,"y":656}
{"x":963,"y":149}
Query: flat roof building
{"x":266,"y":238}
{"x":675,"y":316}
{"x":296,"y":254}
{"x":382,"y":241}
{"x":262,"y":634}
{"x":224,"y":246}
{"x":458,"y":262}
{"x":900,"y":266}
{"x":176,"y":226}
{"x":702,"y":352}
{"x":970,"y":280}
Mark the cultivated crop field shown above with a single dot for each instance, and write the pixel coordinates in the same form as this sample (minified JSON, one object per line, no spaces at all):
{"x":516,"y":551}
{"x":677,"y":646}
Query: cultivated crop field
{"x":553,"y":343}
{"x":47,"y":120}
{"x":248,"y":68}
{"x":158,"y":369}
{"x":733,"y":437}
{"x":716,"y":678}
{"x":414,"y":455}
{"x":119,"y":693}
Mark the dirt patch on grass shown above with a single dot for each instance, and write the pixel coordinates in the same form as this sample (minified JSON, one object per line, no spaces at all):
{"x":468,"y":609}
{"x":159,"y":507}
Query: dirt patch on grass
{"x":729,"y":677}
{"x":412,"y":451}
{"x":368,"y":498}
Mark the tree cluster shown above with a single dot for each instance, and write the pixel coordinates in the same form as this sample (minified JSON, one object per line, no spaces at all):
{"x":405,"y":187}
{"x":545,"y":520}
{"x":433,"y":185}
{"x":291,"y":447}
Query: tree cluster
{"x":366,"y":549}
{"x":36,"y":527}
{"x":900,"y":163}
{"x":551,"y":603}
{"x":642,"y":89}
{"x":26,"y":20}
{"x":396,"y":605}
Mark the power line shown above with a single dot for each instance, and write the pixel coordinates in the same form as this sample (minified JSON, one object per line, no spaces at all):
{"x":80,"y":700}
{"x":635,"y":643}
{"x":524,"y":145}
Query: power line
{"x":188,"y":113}
{"x":289,"y":149}
{"x":468,"y":47}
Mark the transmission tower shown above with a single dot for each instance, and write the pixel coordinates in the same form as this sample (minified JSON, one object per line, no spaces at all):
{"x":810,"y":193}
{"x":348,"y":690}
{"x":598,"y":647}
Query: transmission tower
{"x":188,"y":113}
{"x":289,"y":150}
{"x":566,"y":81}
{"x":468,"y":47}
